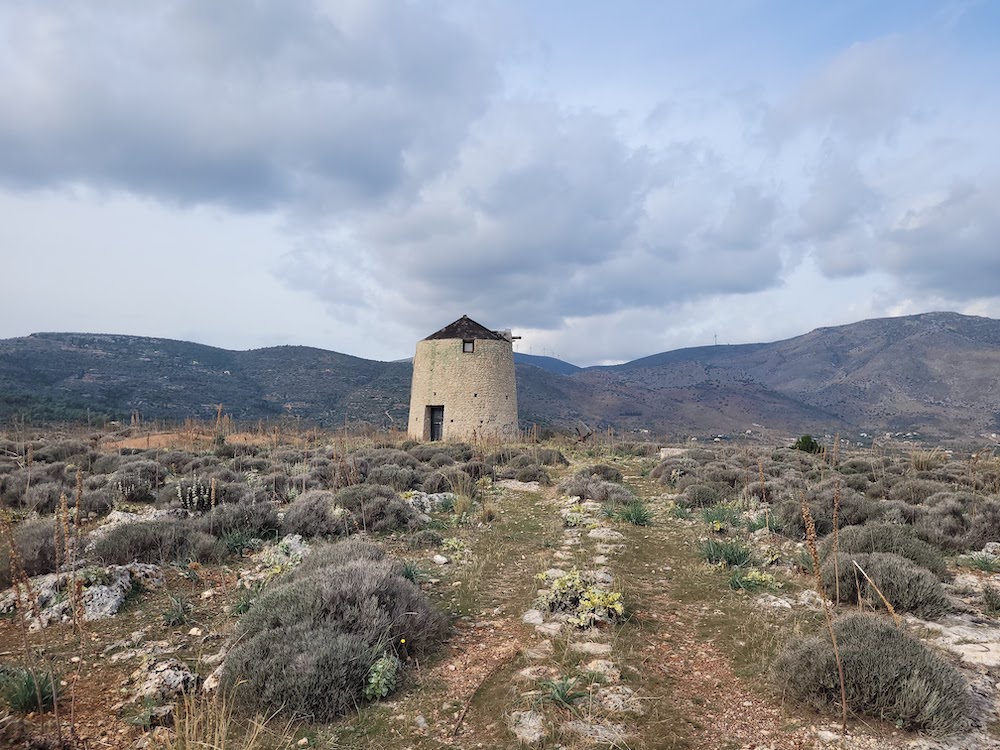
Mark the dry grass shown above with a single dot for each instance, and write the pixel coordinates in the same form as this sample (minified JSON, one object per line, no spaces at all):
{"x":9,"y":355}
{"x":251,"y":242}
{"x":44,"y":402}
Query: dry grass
{"x":210,"y":723}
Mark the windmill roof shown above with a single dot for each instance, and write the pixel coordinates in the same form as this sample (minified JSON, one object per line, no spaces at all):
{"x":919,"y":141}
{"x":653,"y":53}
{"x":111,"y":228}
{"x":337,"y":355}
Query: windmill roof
{"x":465,"y":328}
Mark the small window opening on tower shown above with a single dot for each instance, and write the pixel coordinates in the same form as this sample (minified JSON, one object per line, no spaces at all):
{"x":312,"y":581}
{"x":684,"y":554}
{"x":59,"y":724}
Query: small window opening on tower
{"x":468,"y":346}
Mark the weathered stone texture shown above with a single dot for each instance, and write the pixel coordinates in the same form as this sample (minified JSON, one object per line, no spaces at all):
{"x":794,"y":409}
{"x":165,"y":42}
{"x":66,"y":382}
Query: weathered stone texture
{"x":477,"y":389}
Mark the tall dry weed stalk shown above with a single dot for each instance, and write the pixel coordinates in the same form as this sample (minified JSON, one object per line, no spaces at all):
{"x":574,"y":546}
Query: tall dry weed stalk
{"x":888,"y":605}
{"x":763,"y":495}
{"x":827,"y":614}
{"x":836,"y":540}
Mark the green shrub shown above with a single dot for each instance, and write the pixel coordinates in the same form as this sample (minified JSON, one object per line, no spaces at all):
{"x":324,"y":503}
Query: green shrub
{"x":907,"y":586}
{"x":991,"y":600}
{"x":887,"y":537}
{"x":635,"y":513}
{"x":751,"y":579}
{"x":721,"y":517}
{"x":731,"y":553}
{"x":21,"y":688}
{"x":888,"y":675}
{"x":382,"y":676}
{"x":807,"y":444}
{"x":177,"y":612}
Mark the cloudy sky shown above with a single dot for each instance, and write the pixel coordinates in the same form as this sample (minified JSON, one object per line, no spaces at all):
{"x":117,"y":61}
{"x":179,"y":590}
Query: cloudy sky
{"x":608,"y":179}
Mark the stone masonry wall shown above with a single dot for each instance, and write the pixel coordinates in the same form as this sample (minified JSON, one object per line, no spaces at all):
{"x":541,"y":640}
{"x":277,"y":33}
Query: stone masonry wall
{"x":477,"y":389}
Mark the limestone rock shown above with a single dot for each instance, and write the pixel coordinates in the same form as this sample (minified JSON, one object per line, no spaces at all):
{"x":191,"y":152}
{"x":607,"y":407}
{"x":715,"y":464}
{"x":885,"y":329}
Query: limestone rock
{"x":528,"y":727}
{"x":619,"y":699}
{"x":605,"y":668}
{"x":542,"y":650}
{"x":161,"y":681}
{"x":606,"y":535}
{"x":609,"y":734}
{"x":533,"y":617}
{"x":590,"y":647}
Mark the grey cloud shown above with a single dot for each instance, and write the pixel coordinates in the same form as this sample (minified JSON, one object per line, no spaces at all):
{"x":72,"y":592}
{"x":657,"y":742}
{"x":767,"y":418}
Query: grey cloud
{"x":567,"y":218}
{"x":244,"y":104}
{"x":838,"y":217}
{"x":952,"y":246}
{"x":862,"y":94}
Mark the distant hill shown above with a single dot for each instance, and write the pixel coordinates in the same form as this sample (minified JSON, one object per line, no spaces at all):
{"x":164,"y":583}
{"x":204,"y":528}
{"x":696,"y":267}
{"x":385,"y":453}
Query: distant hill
{"x":934,"y":374}
{"x":63,"y":375}
{"x":549,"y":364}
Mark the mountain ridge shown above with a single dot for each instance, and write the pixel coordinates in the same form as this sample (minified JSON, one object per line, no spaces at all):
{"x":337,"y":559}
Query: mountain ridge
{"x":931,"y":373}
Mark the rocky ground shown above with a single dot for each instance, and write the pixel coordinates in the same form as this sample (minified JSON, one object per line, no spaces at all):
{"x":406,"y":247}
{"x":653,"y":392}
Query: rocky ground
{"x":664,"y":655}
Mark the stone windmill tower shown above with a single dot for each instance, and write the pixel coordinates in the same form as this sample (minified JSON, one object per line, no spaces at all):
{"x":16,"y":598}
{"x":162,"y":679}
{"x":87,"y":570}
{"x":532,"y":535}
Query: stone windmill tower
{"x":463,"y":384}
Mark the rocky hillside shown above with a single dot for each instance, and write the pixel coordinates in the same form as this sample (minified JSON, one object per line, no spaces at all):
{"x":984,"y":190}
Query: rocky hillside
{"x":933,"y":374}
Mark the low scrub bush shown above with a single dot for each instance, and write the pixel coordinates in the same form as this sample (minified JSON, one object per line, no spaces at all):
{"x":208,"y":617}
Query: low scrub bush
{"x":158,"y":542}
{"x":533,"y":473}
{"x":252,"y":519}
{"x":308,"y":644}
{"x":699,"y":496}
{"x":601,"y":471}
{"x":915,"y":491}
{"x":906,"y":586}
{"x":391,"y":456}
{"x":459,"y":452}
{"x":43,"y":497}
{"x":36,"y":547}
{"x":887,"y":537}
{"x":377,"y":508}
{"x":316,"y":513}
{"x":477,"y":469}
{"x":400,"y":478}
{"x":576,"y":593}
{"x":888,"y":675}
{"x":424,"y":539}
{"x":598,"y":490}
{"x":450,"y":480}
{"x":550,"y":457}
{"x":855,"y":509}
{"x":440,"y":460}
